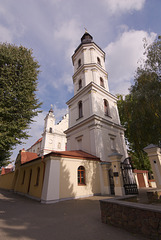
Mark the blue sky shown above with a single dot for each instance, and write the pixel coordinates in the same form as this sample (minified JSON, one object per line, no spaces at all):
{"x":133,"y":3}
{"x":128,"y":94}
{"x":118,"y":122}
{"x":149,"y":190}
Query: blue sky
{"x":53,"y":28}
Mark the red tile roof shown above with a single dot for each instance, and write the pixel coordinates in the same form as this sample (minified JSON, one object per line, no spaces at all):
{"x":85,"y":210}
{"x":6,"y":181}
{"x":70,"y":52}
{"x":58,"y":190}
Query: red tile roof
{"x":140,"y":171}
{"x":27,"y":156}
{"x":6,"y":170}
{"x":39,"y":140}
{"x":74,"y":154}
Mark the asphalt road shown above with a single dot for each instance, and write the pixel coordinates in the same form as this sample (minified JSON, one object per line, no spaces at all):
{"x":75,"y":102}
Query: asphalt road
{"x":23,"y":218}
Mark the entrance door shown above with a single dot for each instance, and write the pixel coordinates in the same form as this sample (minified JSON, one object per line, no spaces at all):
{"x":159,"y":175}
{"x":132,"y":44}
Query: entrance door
{"x":112,"y":186}
{"x":29,"y":181}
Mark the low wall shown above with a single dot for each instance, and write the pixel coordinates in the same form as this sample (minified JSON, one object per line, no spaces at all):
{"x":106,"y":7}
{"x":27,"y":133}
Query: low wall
{"x":134,"y":217}
{"x":6,"y":180}
{"x":154,"y":196}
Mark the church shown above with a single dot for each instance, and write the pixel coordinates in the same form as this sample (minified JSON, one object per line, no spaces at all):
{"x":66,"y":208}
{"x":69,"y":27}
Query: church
{"x":81,"y":156}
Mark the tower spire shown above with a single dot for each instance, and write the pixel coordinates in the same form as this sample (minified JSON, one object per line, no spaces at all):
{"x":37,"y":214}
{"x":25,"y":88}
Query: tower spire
{"x":86,"y":31}
{"x":51,"y":108}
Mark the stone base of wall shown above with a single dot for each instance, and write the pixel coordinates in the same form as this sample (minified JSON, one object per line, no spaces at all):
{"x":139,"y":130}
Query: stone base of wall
{"x":134,"y":217}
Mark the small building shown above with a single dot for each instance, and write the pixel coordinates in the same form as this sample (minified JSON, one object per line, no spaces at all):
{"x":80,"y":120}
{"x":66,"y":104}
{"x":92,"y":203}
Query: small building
{"x":142,"y":178}
{"x":7,"y":169}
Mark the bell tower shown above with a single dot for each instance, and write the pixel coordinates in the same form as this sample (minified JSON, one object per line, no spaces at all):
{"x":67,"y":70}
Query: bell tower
{"x":94,"y":124}
{"x":89,"y":64}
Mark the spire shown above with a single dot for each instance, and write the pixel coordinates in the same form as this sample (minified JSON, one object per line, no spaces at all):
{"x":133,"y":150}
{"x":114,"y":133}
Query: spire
{"x":85,"y":30}
{"x":51,"y":109}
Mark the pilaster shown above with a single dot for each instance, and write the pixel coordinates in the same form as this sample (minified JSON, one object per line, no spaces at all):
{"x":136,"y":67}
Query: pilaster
{"x":115,"y":159}
{"x":154,"y":154}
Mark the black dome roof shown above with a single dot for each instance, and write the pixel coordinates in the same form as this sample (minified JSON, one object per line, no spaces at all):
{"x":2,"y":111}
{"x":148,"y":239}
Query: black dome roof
{"x":86,"y":38}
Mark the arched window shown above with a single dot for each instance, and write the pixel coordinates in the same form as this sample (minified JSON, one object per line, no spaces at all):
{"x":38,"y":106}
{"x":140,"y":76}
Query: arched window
{"x":106,"y":107}
{"x":98,"y":61}
{"x":38,"y":176}
{"x":81,"y":176}
{"x":50,"y":130}
{"x":80,"y":109}
{"x":80,"y":83}
{"x":23,"y":179}
{"x":79,"y":63}
{"x":101,"y":82}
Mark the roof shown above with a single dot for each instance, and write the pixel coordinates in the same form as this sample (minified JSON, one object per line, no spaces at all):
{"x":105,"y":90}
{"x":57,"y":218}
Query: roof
{"x":6,"y":170}
{"x":39,"y":140}
{"x":140,"y":171}
{"x":86,"y":39}
{"x":75,"y":154}
{"x":78,"y":154}
{"x":27,"y":156}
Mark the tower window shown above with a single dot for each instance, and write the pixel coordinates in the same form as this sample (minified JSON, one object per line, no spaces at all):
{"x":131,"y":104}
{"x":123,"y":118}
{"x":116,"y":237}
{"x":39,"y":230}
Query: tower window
{"x":98,"y":61}
{"x":79,"y":63}
{"x":81,"y":175}
{"x":79,"y":143}
{"x":106,"y":107}
{"x":50,"y":130}
{"x":102,"y":82}
{"x":80,"y":109}
{"x":113,"y":145}
{"x":80,"y":84}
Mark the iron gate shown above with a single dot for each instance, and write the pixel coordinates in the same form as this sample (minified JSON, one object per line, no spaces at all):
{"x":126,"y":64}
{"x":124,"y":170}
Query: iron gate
{"x":129,"y":181}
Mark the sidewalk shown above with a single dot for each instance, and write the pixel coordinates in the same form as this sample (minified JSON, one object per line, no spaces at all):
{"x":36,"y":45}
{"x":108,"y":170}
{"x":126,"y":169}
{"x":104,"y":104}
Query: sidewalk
{"x":23,"y":219}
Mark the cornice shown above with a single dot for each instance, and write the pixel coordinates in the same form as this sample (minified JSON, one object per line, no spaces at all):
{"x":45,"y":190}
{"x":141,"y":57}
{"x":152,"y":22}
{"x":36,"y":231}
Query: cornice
{"x":89,"y":87}
{"x":89,"y":66}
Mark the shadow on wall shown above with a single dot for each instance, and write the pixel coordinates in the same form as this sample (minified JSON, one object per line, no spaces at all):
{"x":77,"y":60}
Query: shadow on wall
{"x":112,"y":116}
{"x":66,"y":186}
{"x":92,"y":177}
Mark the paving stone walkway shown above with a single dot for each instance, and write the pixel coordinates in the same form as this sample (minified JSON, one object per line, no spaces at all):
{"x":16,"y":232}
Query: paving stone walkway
{"x":25,"y":219}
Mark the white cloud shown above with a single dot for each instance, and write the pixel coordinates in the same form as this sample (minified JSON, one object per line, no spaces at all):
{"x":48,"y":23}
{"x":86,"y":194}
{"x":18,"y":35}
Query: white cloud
{"x":120,"y":6}
{"x":67,"y":81}
{"x":5,"y":34}
{"x":59,"y":113}
{"x":67,"y":34}
{"x":123,"y":56}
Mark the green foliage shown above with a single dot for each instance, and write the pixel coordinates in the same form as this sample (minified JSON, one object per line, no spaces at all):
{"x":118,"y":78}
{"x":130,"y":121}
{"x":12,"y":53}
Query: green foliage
{"x":18,"y":102}
{"x":4,"y":158}
{"x":140,"y":110}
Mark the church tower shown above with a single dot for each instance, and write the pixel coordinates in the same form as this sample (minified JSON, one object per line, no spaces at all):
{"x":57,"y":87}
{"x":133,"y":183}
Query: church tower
{"x":53,"y":137}
{"x":49,"y":124}
{"x":94,"y":124}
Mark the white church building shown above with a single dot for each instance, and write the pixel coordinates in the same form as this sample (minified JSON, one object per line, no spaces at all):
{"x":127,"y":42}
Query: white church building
{"x":83,"y":154}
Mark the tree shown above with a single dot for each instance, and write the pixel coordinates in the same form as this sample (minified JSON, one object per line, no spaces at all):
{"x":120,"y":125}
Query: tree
{"x":18,"y":103}
{"x":140,"y":111}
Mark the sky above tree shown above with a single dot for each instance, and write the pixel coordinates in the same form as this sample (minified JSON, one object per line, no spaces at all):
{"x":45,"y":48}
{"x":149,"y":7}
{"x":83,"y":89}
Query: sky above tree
{"x":53,"y":29}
